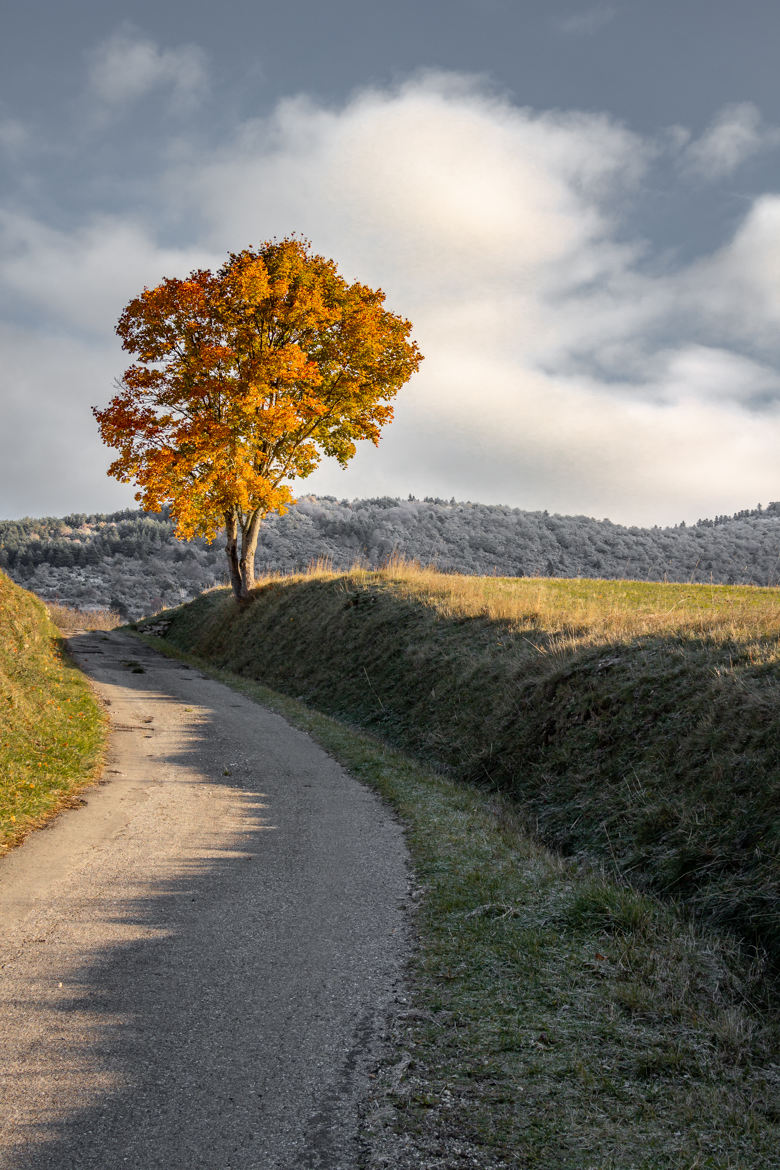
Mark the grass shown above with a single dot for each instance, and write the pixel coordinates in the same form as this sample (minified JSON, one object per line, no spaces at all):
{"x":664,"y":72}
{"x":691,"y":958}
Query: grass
{"x":51,"y":728}
{"x":67,"y":619}
{"x":559,"y":1017}
{"x":634,"y":724}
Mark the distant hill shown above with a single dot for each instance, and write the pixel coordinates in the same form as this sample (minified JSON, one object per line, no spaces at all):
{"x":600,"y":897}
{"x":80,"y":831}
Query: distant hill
{"x":131,"y":561}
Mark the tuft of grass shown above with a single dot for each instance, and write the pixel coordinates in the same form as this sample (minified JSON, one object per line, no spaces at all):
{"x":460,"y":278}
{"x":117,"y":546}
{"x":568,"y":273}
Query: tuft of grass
{"x":636,"y":724}
{"x":52,"y":730}
{"x":68,"y":620}
{"x":558,"y":1017}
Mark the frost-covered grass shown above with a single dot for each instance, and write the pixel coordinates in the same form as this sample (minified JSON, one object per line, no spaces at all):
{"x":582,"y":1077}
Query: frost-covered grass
{"x":51,"y":728}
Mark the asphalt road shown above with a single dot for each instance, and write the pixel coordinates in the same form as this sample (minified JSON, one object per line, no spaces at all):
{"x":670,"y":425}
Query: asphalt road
{"x":196,"y":964}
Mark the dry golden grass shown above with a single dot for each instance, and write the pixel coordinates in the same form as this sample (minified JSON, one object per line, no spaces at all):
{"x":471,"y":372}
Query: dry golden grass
{"x":67,"y":619}
{"x":581,"y":610}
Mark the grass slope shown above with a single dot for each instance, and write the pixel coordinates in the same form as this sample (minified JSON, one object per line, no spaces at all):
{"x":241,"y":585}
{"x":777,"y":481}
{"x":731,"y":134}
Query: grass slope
{"x":558,"y":1018}
{"x":51,"y":728}
{"x":634,"y":723}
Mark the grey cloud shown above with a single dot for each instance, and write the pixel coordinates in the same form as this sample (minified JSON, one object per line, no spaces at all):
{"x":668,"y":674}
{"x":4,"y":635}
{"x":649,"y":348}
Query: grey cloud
{"x":13,"y":134}
{"x":736,"y":134}
{"x":579,"y":24}
{"x":128,"y":66}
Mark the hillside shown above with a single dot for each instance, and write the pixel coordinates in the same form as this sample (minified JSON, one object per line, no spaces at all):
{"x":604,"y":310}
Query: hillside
{"x":130,"y":560}
{"x":634,"y":724}
{"x":52,"y":730}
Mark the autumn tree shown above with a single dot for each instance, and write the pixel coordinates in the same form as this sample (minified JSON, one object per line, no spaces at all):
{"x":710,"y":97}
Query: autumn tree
{"x":243,"y":380}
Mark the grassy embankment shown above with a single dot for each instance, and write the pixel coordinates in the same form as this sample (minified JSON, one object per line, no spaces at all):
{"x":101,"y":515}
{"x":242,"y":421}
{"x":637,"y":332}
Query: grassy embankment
{"x":637,"y":723}
{"x":567,"y":1016}
{"x":51,"y":728}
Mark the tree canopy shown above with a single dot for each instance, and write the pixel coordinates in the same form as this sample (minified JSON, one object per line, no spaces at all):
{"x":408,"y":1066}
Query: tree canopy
{"x":243,"y":379}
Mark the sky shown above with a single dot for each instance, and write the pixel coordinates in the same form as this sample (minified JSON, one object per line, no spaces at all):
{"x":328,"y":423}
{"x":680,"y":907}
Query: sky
{"x":576,"y":205}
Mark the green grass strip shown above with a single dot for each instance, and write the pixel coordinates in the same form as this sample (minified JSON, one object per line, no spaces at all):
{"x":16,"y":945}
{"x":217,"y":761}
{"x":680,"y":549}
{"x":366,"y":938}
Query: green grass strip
{"x":558,"y":1018}
{"x":52,"y":729}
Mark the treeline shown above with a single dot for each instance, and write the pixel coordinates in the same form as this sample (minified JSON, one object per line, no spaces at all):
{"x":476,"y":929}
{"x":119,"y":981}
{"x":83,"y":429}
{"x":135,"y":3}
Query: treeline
{"x":129,"y":561}
{"x":81,"y":539}
{"x":132,"y":561}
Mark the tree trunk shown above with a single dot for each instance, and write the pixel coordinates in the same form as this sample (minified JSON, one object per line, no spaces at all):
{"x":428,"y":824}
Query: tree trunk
{"x":231,"y":552}
{"x":242,"y":566}
{"x":249,"y":536}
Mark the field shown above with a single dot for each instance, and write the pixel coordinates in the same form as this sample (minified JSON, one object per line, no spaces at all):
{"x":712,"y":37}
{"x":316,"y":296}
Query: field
{"x":634,"y":723}
{"x":52,"y":731}
{"x":588,"y":775}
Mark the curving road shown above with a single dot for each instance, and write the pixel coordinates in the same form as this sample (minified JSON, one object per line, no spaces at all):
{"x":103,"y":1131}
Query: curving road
{"x":196,"y":965}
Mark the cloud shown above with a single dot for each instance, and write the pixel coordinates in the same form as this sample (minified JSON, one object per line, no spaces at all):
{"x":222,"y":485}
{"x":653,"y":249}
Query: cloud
{"x":81,"y":280}
{"x":128,"y":67}
{"x":489,"y":432}
{"x":461,"y":188}
{"x":567,"y":367}
{"x":13,"y":134}
{"x":583,"y":24}
{"x":736,"y":134}
{"x":51,"y":459}
{"x":710,"y":374}
{"x":735,"y":291}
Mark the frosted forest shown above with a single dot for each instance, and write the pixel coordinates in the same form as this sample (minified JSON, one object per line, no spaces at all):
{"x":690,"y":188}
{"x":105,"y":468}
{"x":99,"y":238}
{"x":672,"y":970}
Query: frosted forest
{"x":132,"y":562}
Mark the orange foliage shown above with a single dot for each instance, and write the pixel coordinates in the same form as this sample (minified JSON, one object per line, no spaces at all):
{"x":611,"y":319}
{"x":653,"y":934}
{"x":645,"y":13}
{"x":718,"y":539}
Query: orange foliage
{"x":244,"y":378}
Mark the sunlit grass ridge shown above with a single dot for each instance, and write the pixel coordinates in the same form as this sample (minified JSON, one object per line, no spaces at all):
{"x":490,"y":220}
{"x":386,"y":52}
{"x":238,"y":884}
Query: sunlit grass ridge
{"x":583,"y":609}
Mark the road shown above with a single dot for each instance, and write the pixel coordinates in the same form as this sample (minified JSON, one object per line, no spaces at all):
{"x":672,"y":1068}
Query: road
{"x":196,"y":964}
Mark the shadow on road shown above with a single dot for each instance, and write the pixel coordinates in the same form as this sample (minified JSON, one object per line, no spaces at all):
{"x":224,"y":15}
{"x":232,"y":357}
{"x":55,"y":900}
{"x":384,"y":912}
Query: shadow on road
{"x":207,"y":1009}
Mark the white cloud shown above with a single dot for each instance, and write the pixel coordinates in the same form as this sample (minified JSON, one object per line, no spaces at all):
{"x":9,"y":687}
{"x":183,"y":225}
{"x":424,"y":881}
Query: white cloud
{"x":51,"y":459}
{"x":441,"y":185}
{"x":127,"y":67}
{"x":709,"y":374}
{"x":736,"y":134}
{"x":489,"y":431}
{"x":561,"y":372}
{"x":83,"y":279}
{"x":496,"y":229}
{"x":737,"y":289}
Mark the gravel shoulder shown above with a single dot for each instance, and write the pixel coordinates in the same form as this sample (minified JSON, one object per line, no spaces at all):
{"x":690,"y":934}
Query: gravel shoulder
{"x":196,"y":966}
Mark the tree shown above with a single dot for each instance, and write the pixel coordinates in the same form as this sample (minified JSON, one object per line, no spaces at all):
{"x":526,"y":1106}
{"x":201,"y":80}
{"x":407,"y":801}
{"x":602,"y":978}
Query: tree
{"x":244,"y":379}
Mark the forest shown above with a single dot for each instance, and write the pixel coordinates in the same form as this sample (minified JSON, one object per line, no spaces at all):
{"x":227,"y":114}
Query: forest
{"x":132,"y":562}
